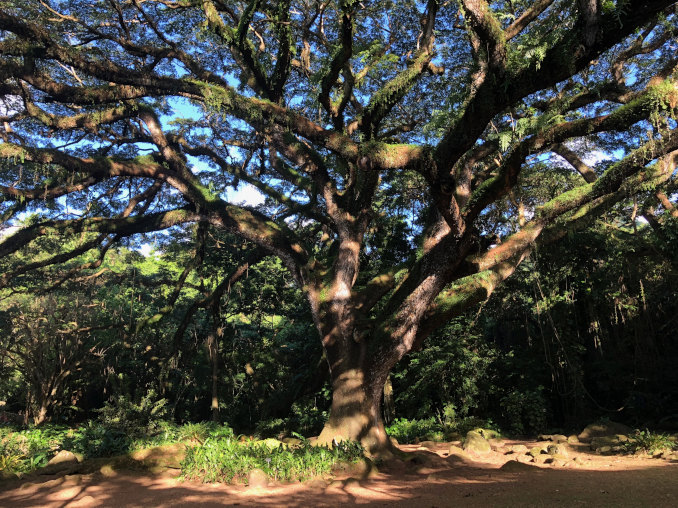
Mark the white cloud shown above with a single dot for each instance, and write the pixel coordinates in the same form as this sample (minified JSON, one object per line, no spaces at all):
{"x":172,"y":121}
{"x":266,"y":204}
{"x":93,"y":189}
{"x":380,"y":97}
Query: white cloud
{"x":7,"y":231}
{"x":594,"y":157}
{"x":246,"y":194}
{"x":146,"y":250}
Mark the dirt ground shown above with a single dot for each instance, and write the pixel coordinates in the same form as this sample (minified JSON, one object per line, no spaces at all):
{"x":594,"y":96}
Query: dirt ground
{"x":432,"y":478}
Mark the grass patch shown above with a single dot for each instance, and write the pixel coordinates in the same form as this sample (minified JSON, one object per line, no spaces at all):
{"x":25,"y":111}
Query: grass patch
{"x":228,"y":460}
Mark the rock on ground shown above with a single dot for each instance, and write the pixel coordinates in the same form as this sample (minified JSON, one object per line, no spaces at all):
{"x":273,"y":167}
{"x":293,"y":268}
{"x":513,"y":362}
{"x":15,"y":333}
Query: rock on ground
{"x":476,"y":443}
{"x":63,"y":457}
{"x":257,"y":478}
{"x":603,"y":429}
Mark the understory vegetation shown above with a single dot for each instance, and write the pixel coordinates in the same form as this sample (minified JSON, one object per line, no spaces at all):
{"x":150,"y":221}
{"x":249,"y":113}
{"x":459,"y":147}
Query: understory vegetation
{"x":561,"y":345}
{"x":213,"y":452}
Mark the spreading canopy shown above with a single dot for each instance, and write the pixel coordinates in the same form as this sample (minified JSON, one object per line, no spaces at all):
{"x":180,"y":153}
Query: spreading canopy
{"x":470,"y":130}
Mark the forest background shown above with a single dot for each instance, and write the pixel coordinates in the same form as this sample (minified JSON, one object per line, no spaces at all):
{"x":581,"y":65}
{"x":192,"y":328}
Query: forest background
{"x":470,"y":222}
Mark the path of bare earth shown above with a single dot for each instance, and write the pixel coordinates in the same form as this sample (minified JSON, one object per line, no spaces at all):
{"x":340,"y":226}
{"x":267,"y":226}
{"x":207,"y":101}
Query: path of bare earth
{"x":434,"y":478}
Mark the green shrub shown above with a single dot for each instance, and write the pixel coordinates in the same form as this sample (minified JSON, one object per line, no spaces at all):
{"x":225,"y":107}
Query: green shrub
{"x":202,"y":431}
{"x":273,"y":428}
{"x":305,"y":418}
{"x":649,"y":442}
{"x":29,"y":449}
{"x":12,"y":462}
{"x":525,"y":411}
{"x":472,"y":423}
{"x":227,"y":460}
{"x":97,"y":440}
{"x":134,"y":418}
{"x":407,"y":431}
{"x":13,"y":452}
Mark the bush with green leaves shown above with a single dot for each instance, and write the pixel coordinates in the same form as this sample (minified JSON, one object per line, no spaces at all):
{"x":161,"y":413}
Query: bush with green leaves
{"x":204,"y":430}
{"x":525,"y":411}
{"x":120,"y":412}
{"x":649,"y":442}
{"x":449,"y":378}
{"x":407,"y":431}
{"x":228,"y":460}
{"x":95,"y":439}
{"x":431,"y":429}
{"x":305,"y":418}
{"x":24,"y":450}
{"x":28,"y":449}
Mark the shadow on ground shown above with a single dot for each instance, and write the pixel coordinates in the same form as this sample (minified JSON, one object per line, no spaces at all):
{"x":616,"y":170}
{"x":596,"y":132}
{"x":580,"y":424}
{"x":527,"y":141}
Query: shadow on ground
{"x":430,"y":480}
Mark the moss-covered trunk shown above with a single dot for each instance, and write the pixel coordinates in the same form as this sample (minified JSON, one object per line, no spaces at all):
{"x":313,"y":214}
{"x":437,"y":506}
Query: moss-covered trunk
{"x":356,"y":413}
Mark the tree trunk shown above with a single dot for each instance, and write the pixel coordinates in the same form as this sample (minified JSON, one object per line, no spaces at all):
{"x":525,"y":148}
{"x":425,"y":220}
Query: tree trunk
{"x":355,"y":413}
{"x":213,"y":353}
{"x":389,"y":402}
{"x":41,"y":416}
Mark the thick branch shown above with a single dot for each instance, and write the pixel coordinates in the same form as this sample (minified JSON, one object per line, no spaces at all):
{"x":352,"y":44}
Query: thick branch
{"x":622,"y":118}
{"x":526,"y":18}
{"x":341,"y":57}
{"x":393,"y":91}
{"x":564,"y":59}
{"x":120,"y":226}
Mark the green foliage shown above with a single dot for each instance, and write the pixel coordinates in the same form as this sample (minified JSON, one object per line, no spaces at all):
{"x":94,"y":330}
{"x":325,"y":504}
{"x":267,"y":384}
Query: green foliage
{"x":14,"y":453}
{"x":432,"y":429}
{"x":649,"y":442}
{"x":29,"y":449}
{"x":204,"y":430}
{"x":132,"y":418}
{"x":449,"y":378}
{"x":11,"y":462}
{"x":407,"y":431}
{"x":525,"y":411}
{"x":305,"y":417}
{"x":228,"y":460}
{"x":97,"y":440}
{"x":25,"y":450}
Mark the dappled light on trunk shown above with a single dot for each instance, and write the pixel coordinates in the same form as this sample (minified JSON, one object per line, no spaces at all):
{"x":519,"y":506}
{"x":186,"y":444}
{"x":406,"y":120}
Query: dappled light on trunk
{"x":355,"y":414}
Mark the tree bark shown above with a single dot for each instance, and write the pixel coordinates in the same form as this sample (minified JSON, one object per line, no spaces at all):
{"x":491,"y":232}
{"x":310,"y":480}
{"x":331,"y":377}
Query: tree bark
{"x":213,"y":351}
{"x":356,"y":409}
{"x":355,"y":414}
{"x":41,"y":416}
{"x":389,"y":402}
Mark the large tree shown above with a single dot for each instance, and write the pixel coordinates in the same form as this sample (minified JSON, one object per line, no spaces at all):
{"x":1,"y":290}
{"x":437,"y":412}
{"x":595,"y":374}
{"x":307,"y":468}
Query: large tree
{"x":124,"y":117}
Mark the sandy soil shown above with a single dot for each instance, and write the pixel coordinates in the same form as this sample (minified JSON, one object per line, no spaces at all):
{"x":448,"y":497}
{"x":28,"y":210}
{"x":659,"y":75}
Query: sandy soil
{"x":433,"y":478}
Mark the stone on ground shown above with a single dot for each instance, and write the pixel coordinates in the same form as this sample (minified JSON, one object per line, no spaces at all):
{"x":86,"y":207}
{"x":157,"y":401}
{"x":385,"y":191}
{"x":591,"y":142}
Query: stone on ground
{"x":536,"y":451}
{"x":603,"y":429}
{"x":518,"y":448}
{"x":456,"y":450}
{"x":557,"y":449}
{"x":514,"y":466}
{"x":64,"y":457}
{"x":476,"y":443}
{"x":257,"y":478}
{"x":429,"y":445}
